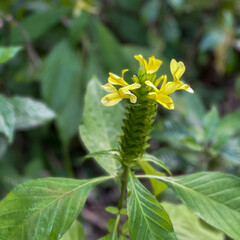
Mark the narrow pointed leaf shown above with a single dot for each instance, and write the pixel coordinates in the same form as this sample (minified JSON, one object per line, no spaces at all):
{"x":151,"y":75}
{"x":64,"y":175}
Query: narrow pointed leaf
{"x":6,"y":53}
{"x":157,"y":185}
{"x":215,"y":197}
{"x":43,"y":208}
{"x":150,"y":158}
{"x":147,"y":218}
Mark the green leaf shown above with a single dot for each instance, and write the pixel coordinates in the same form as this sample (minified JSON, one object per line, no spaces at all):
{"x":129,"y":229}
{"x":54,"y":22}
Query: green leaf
{"x":210,"y":123}
{"x":109,"y":48}
{"x":43,"y":208}
{"x":30,"y":113}
{"x":212,"y":196}
{"x":195,"y":107}
{"x":111,"y":209}
{"x":157,"y":186}
{"x":147,"y":218}
{"x":22,"y":113}
{"x":36,"y":25}
{"x":229,"y":124}
{"x":113,"y":155}
{"x":189,"y":226}
{"x":7,"y":118}
{"x":7,"y":53}
{"x":77,"y":27}
{"x":101,"y":126}
{"x":62,"y":89}
{"x":150,"y":158}
{"x":75,"y":232}
{"x":231,"y":152}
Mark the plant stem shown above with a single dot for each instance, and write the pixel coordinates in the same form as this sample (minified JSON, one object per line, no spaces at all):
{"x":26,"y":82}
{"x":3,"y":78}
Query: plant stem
{"x":124,"y":178}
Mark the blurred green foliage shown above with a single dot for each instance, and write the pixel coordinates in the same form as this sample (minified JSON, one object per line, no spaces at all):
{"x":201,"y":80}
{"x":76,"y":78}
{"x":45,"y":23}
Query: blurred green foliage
{"x":54,"y":48}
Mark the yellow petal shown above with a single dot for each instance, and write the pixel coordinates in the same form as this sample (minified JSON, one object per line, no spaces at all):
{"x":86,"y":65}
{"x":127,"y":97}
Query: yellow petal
{"x":185,"y":87}
{"x":177,"y":69}
{"x":159,"y":80}
{"x":181,"y":85}
{"x":116,"y":80}
{"x":141,"y":60}
{"x":165,"y":101}
{"x":150,"y":84}
{"x":133,"y":86}
{"x":109,"y":88}
{"x":164,"y":83}
{"x":153,"y":65}
{"x":170,"y":88}
{"x":123,"y":71}
{"x":111,"y":99}
{"x":152,"y":95}
{"x":133,"y":98}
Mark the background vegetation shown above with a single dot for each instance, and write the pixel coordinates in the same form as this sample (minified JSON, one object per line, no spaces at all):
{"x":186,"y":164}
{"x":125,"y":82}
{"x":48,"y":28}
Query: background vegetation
{"x":59,"y":46}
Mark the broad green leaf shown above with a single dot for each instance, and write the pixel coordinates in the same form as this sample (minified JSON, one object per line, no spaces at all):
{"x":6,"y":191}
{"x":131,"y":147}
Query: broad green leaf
{"x":147,"y":218}
{"x":7,"y":53}
{"x":30,"y":113}
{"x":7,"y":118}
{"x":62,"y":88}
{"x":22,"y":113}
{"x":210,"y":123}
{"x":101,"y":126}
{"x":9,"y":177}
{"x":77,"y":27}
{"x":109,"y":48}
{"x":43,"y":208}
{"x":212,"y":196}
{"x":231,"y":152}
{"x":113,"y":155}
{"x":195,"y":107}
{"x":189,"y":226}
{"x":150,"y":158}
{"x":229,"y":124}
{"x":75,"y":232}
{"x":36,"y":25}
{"x":129,"y":24}
{"x":157,"y":186}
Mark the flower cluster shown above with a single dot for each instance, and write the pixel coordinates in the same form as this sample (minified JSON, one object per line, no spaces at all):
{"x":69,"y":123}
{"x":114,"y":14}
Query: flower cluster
{"x":148,"y":78}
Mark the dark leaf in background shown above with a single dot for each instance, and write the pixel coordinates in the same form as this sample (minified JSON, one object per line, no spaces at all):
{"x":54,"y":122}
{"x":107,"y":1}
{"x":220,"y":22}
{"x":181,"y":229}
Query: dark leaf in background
{"x":129,"y":24}
{"x":62,"y":88}
{"x":77,"y":27}
{"x":109,"y":48}
{"x":34,"y":26}
{"x":22,"y":113}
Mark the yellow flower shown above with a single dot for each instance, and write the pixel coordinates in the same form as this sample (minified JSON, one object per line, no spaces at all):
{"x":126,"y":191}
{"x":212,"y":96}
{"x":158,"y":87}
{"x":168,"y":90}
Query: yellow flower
{"x":116,"y":95}
{"x":152,"y":66}
{"x":177,"y":70}
{"x":161,"y":95}
{"x":116,"y":80}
